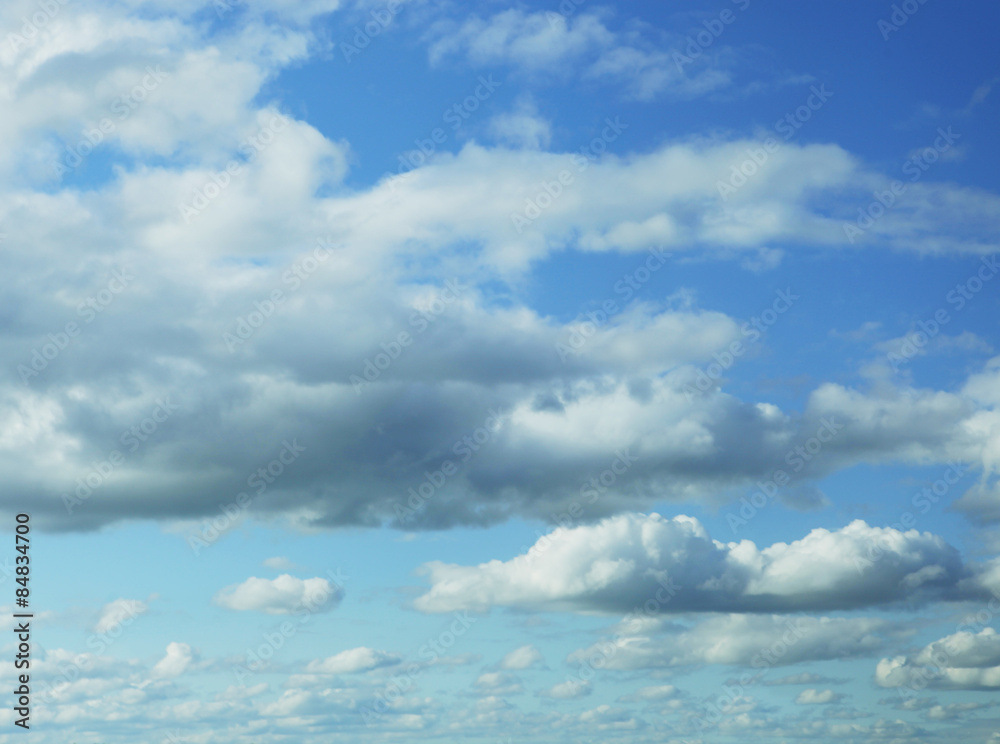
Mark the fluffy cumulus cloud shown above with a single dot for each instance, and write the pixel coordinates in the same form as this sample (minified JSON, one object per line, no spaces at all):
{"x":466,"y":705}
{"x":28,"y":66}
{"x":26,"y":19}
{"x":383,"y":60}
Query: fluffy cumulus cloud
{"x":176,"y":661}
{"x":965,"y":660}
{"x":284,"y":595}
{"x":626,"y":561}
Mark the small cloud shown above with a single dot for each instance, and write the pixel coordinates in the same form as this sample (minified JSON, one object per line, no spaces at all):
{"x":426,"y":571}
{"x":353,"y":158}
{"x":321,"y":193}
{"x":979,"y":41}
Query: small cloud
{"x":521,"y":658}
{"x":980,"y":94}
{"x":117,"y":613}
{"x":281,"y":596}
{"x":571,"y":689}
{"x":456,"y":660}
{"x":805,"y":678}
{"x":765,"y":260}
{"x":804,"y":498}
{"x":919,"y":342}
{"x":953,"y":711}
{"x":499,"y":683}
{"x":523,"y":127}
{"x":864,"y":334}
{"x":178,"y":658}
{"x":812,"y":696}
{"x":280,"y":563}
{"x":240,"y":692}
{"x":352,"y":661}
{"x":652,"y":693}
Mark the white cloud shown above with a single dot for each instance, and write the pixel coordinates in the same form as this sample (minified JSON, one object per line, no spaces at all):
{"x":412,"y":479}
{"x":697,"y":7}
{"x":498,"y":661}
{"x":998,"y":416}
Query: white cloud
{"x":450,"y":218}
{"x":651,"y":693}
{"x":284,"y":595}
{"x":524,"y":657}
{"x":571,"y":689}
{"x":280,"y":563}
{"x":803,"y":678}
{"x":813,"y":696}
{"x":953,"y":711}
{"x":647,"y":73}
{"x":120,"y":612}
{"x":535,"y":41}
{"x":960,"y":661}
{"x":623,"y":561}
{"x":498,"y":684}
{"x":610,"y":719}
{"x":352,"y":661}
{"x":546,"y":45}
{"x":176,"y":661}
{"x":523,"y":127}
{"x":755,"y":641}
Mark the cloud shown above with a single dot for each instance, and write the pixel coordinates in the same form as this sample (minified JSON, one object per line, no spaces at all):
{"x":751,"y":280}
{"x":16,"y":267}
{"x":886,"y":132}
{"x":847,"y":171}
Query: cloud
{"x":916,"y":343}
{"x":981,"y":502}
{"x":545,"y":46}
{"x":610,"y":719}
{"x":701,"y":449}
{"x":498,"y":683}
{"x":813,"y":696}
{"x":651,"y":693}
{"x":647,"y":73}
{"x":119,"y":612}
{"x":522,"y":128}
{"x":535,"y":41}
{"x":623,"y":561}
{"x":960,"y":661}
{"x":352,"y":661}
{"x":284,"y":595}
{"x":197,"y":279}
{"x":804,"y":678}
{"x":177,"y":660}
{"x":754,"y":641}
{"x":953,"y":711}
{"x":279,"y":563}
{"x":571,"y":689}
{"x":524,"y":657}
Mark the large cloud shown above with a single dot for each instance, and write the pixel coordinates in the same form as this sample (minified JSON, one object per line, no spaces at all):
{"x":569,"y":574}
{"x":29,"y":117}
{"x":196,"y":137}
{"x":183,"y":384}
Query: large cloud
{"x":538,"y":458}
{"x":195,"y":279}
{"x":627,"y":560}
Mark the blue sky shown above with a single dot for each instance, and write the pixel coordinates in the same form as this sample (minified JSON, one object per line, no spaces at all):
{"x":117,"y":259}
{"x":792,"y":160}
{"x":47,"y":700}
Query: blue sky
{"x":484,"y":371}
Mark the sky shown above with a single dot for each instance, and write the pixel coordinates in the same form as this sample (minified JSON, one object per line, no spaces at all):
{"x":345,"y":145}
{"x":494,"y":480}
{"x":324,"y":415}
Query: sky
{"x":541,"y":372}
